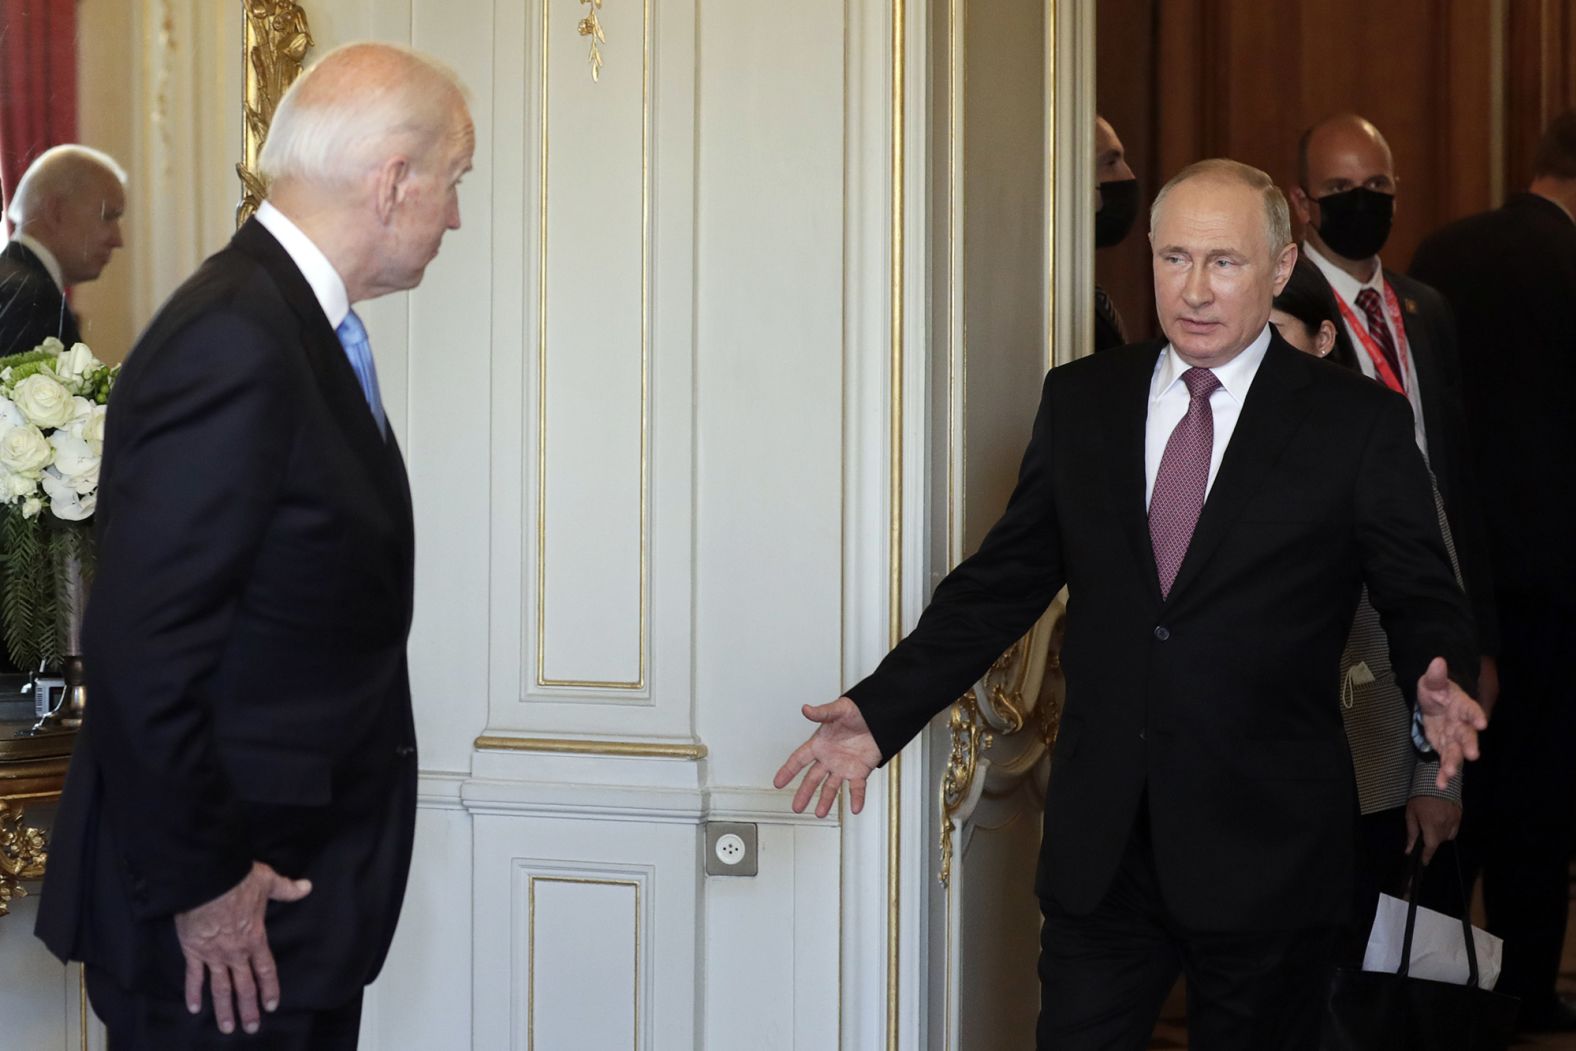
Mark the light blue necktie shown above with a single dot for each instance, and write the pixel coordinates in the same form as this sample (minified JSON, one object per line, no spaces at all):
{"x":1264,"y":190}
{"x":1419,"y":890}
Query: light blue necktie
{"x":353,"y":337}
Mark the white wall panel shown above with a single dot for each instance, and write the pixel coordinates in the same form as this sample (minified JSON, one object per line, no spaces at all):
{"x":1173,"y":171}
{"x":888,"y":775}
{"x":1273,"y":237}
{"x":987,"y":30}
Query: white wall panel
{"x":769,"y":377}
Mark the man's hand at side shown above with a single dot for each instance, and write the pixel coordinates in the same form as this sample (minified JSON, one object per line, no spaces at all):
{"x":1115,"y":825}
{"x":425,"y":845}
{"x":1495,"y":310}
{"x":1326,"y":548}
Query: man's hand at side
{"x":1451,"y":720}
{"x":226,"y":937}
{"x":1436,"y":820}
{"x":841,"y":749}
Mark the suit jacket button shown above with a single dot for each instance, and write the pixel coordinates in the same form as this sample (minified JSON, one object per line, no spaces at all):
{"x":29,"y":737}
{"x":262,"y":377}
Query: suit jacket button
{"x":1162,"y":632}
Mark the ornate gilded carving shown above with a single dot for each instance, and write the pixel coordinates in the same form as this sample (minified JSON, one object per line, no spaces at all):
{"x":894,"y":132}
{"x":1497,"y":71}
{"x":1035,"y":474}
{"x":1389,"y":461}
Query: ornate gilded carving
{"x":22,"y":854}
{"x":591,"y":26}
{"x":1014,"y":709}
{"x":276,"y":40}
{"x":969,"y":738}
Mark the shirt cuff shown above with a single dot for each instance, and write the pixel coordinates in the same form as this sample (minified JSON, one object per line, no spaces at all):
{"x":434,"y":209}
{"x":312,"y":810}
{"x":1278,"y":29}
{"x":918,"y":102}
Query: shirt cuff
{"x":1419,"y":738}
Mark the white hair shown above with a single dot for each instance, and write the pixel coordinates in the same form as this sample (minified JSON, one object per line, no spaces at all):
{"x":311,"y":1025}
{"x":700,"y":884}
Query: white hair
{"x":342,"y":116}
{"x":59,"y":170}
{"x":1277,"y":216}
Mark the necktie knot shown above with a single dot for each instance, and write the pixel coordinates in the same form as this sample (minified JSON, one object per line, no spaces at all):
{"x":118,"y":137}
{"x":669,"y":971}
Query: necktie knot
{"x":1368,"y":300}
{"x":1201,"y":383}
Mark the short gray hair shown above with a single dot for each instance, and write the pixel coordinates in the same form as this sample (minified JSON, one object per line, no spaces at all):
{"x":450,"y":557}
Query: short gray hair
{"x":59,"y":170}
{"x":340,"y":118}
{"x":1277,"y":215}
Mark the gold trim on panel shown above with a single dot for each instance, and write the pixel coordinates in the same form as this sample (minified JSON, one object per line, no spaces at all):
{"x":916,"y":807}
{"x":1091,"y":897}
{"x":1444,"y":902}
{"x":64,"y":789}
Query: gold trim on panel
{"x":530,"y":994}
{"x":572,"y":746}
{"x":645,"y":371}
{"x":895,"y":495}
{"x":274,"y":43}
{"x":82,"y":997}
{"x":1050,"y":183}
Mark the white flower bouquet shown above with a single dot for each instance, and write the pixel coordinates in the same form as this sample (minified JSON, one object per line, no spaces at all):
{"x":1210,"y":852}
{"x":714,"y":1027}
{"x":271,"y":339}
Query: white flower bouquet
{"x":52,"y":408}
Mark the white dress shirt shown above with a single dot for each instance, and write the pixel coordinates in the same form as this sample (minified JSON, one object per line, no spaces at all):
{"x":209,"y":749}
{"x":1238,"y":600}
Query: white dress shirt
{"x":326,"y":283}
{"x":1169,"y":399}
{"x":45,"y":256}
{"x":1347,"y":287}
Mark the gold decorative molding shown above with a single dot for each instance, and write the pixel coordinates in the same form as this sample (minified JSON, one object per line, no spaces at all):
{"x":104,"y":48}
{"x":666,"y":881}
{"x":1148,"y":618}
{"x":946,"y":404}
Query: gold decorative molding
{"x":23,"y":851}
{"x":894,"y":915}
{"x":1023,"y":684}
{"x":542,"y":679}
{"x":274,"y":42}
{"x":591,"y":26}
{"x":574,"y":746}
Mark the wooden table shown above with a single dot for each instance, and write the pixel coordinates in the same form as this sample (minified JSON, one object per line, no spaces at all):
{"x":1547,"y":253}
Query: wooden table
{"x":32,"y":770}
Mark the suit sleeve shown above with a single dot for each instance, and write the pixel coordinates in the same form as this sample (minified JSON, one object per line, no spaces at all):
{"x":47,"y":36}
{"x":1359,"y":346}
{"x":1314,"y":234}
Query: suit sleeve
{"x":1405,"y":563}
{"x":194,"y":463}
{"x":984,"y":605}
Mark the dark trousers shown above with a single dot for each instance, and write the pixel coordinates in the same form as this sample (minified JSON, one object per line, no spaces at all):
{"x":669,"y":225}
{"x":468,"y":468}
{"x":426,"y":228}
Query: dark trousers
{"x":1383,"y":867}
{"x":1105,"y":976}
{"x":1520,"y":799}
{"x":139,"y":1022}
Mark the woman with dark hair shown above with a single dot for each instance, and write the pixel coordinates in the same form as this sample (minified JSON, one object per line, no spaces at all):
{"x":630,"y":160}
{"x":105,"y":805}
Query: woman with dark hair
{"x":1395,"y":790}
{"x":1306,"y":316}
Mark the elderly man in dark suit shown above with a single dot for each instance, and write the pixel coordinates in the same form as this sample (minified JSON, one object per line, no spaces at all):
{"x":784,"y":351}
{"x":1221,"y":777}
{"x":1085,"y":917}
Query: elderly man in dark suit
{"x":235,"y":831}
{"x":1214,"y":504}
{"x":1510,"y":275}
{"x":66,"y":211}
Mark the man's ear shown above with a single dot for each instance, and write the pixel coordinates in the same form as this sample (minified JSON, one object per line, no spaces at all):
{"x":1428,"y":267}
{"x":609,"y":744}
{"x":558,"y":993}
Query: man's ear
{"x":389,"y":187}
{"x":1283,"y":266}
{"x":1300,"y":206}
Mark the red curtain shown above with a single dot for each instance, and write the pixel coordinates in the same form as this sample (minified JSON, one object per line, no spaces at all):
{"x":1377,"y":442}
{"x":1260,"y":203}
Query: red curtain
{"x":38,"y":83}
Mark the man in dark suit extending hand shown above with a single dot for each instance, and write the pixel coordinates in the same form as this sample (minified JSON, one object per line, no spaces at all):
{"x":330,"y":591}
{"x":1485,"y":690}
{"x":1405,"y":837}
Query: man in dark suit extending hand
{"x":66,"y":211}
{"x":1213,"y":504}
{"x":235,"y":831}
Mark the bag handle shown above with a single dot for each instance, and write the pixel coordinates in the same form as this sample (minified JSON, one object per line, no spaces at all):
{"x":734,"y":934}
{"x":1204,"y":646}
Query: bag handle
{"x":1411,"y":914}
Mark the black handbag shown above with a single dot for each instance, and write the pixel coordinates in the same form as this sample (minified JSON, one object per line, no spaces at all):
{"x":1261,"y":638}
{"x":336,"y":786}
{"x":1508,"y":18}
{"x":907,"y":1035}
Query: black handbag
{"x":1379,"y":1011}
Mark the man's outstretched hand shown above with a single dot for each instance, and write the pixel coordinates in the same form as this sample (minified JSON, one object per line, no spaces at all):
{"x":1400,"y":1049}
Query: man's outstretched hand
{"x":841,"y":749}
{"x":226,"y":938}
{"x":1451,"y":720}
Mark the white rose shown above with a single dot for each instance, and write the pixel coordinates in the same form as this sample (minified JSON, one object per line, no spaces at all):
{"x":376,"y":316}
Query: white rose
{"x":31,"y":506}
{"x":43,"y":400}
{"x":92,"y":428}
{"x":65,"y":502}
{"x":52,"y":344}
{"x":10,"y":415}
{"x":14,"y":487}
{"x":76,"y":362}
{"x":24,"y":450}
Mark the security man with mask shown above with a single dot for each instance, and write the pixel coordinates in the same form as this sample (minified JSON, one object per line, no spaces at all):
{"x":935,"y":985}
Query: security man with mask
{"x":1116,"y":206}
{"x":1405,"y":338}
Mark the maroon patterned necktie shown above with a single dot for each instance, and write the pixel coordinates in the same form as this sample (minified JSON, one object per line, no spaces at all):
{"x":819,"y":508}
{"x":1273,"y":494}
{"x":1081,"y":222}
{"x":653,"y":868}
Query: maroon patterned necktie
{"x":1368,"y":303}
{"x":1184,"y":473}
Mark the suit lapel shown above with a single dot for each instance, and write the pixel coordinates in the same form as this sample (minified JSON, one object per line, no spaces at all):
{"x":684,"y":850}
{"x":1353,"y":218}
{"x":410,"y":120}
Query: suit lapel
{"x":1270,"y":415}
{"x":1126,"y":417}
{"x":324,"y":352}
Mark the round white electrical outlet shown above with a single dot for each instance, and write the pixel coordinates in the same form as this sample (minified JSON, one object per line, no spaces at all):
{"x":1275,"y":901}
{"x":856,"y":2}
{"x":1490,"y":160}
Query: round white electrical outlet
{"x":730,"y":849}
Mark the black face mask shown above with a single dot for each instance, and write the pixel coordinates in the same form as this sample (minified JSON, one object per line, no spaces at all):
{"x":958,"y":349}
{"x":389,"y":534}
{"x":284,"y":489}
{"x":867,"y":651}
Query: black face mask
{"x":1356,"y":223}
{"x":1118,"y":209}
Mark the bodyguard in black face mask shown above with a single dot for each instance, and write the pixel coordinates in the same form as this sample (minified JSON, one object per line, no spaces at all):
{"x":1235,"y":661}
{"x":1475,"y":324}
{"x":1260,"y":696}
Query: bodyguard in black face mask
{"x":1405,"y":338}
{"x":1116,"y":207}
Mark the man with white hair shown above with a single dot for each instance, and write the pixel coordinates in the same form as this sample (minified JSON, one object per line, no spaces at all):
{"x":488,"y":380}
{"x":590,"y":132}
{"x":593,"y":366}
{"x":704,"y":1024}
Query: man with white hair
{"x":66,"y":213}
{"x":235,"y":833}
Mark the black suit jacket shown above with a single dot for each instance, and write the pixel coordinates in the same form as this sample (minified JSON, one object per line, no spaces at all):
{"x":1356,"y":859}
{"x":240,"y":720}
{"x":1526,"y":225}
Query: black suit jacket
{"x":32,"y":307}
{"x":244,"y":644}
{"x":1510,"y":276}
{"x":1219,"y":701}
{"x":1431,"y":338}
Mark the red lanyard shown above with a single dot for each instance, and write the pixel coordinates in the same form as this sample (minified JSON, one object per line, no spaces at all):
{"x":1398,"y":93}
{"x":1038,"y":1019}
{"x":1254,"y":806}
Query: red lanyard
{"x":1358,"y":326}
